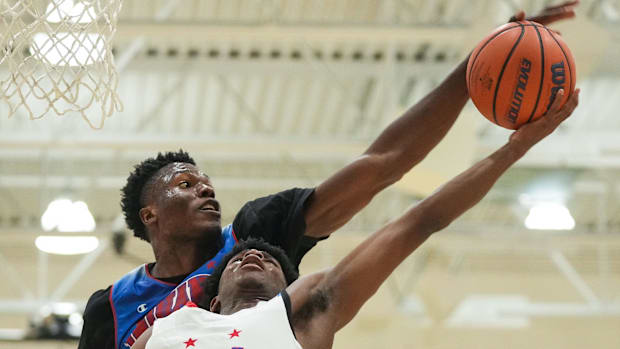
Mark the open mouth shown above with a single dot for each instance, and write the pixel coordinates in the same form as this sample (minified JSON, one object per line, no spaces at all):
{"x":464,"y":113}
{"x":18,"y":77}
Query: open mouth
{"x":210,"y":205}
{"x":253,"y":266}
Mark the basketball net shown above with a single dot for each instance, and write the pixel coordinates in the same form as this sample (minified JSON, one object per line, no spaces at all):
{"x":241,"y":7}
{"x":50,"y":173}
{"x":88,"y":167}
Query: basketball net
{"x":56,"y":56}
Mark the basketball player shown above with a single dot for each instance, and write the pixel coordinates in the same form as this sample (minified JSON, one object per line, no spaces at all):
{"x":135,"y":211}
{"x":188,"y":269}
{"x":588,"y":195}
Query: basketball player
{"x":251,"y":300}
{"x":170,"y":203}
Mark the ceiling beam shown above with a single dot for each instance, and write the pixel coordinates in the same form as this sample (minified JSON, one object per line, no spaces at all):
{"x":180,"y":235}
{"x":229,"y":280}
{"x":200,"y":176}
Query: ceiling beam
{"x":138,"y":147}
{"x":282,"y":33}
{"x":116,"y":182}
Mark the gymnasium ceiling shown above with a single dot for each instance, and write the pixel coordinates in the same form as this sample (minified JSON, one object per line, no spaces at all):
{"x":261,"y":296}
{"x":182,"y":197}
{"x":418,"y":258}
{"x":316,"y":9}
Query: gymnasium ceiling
{"x":268,"y":95}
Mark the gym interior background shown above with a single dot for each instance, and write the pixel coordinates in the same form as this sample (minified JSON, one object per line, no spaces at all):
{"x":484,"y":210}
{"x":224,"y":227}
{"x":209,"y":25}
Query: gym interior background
{"x":271,"y":94}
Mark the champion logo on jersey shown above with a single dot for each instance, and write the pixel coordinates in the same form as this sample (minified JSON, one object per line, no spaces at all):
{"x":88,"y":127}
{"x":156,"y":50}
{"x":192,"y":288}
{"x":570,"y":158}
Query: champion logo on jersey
{"x":142,"y":308}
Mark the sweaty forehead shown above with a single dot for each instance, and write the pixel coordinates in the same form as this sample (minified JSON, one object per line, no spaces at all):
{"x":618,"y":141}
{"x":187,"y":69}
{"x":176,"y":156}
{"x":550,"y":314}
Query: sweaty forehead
{"x":168,"y":172}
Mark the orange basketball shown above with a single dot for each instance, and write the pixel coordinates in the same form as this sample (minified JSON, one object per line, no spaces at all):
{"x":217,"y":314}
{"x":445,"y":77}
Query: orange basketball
{"x":513,"y":75}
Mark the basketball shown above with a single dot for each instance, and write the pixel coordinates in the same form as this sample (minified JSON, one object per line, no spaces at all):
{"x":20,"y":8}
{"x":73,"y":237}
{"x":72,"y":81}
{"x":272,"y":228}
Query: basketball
{"x":514,"y":74}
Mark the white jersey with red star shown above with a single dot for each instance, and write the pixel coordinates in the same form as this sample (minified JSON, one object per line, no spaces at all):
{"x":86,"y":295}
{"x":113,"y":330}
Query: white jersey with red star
{"x":265,"y":326}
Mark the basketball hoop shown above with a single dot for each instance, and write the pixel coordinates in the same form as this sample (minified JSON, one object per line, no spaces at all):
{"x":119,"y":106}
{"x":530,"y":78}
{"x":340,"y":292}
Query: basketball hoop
{"x":56,"y":56}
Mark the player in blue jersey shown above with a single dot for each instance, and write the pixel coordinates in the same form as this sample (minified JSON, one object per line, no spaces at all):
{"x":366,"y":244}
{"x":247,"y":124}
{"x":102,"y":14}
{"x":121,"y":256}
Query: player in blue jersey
{"x":169,"y":202}
{"x":307,"y":313}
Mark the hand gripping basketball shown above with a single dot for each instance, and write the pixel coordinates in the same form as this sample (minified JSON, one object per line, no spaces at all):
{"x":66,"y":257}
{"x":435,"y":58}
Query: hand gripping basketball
{"x":531,"y":133}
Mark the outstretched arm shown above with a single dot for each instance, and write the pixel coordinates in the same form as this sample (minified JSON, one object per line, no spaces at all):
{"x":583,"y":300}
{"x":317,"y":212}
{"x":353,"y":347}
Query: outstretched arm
{"x":356,"y":278}
{"x":402,"y":145}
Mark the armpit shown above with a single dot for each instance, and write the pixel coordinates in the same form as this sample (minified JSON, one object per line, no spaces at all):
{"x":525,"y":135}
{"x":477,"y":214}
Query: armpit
{"x":317,"y":303}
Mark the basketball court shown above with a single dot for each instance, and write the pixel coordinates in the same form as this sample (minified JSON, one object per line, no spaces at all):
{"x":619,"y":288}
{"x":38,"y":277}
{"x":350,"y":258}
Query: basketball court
{"x":272,"y":94}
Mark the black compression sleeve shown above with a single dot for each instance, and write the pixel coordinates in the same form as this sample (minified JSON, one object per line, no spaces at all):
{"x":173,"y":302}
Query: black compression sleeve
{"x":98,"y":329}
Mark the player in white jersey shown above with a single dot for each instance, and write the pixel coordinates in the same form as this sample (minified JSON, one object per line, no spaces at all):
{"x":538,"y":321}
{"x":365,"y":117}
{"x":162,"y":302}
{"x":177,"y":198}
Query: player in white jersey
{"x":265,"y":326}
{"x":248,"y":294}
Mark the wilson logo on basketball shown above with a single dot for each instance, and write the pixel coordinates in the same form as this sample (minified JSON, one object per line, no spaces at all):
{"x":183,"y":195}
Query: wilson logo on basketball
{"x":558,"y":78}
{"x":517,"y":96}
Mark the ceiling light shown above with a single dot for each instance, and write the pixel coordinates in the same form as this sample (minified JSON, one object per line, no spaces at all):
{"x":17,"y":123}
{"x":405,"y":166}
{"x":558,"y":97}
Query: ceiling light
{"x":549,"y":216}
{"x":64,"y":48}
{"x":67,"y":245}
{"x":59,"y":10}
{"x":68,"y":217}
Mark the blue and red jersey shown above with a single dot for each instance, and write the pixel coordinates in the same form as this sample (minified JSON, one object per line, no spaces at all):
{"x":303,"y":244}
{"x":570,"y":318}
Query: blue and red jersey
{"x":138,"y":299}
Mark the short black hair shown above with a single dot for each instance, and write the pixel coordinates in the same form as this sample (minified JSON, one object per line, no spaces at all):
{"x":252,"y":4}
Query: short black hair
{"x":132,"y":194}
{"x":212,"y":283}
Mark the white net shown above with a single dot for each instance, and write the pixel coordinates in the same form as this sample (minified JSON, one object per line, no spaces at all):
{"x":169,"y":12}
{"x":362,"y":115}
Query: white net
{"x":57,"y":56}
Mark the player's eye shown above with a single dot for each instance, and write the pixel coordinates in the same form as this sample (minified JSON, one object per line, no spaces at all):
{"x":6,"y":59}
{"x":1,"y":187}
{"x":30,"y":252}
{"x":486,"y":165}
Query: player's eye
{"x":184,"y":184}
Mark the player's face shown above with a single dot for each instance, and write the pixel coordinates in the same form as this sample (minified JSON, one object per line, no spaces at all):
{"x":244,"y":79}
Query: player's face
{"x":185,"y":202}
{"x":251,"y":274}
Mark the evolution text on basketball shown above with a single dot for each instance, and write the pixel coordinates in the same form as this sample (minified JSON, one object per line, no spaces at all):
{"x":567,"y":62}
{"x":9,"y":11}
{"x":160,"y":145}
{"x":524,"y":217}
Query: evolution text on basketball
{"x":517,"y":96}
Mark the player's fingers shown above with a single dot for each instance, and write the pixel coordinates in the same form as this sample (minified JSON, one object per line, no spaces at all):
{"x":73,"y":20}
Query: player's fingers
{"x":551,"y":17}
{"x":571,"y":104}
{"x":565,"y":7}
{"x":567,"y":109}
{"x":568,"y":4}
{"x":519,"y":16}
{"x":558,"y":15}
{"x":555,"y":106}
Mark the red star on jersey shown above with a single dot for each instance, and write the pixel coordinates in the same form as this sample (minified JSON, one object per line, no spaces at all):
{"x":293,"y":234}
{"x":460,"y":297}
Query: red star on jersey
{"x":234,"y":333}
{"x":190,"y":343}
{"x":211,"y":264}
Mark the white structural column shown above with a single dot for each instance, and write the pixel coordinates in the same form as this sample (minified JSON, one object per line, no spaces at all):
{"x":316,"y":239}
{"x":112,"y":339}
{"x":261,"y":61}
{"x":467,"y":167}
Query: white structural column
{"x":13,"y":276}
{"x":573,"y":277}
{"x":42,"y":271}
{"x":77,"y":272}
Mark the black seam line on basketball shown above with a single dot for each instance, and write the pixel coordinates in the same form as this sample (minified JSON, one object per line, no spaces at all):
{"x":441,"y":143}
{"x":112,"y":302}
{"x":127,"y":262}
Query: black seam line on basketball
{"x":570,"y":71}
{"x":501,"y":73}
{"x":542,"y":73}
{"x":483,"y":46}
{"x":531,"y":24}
